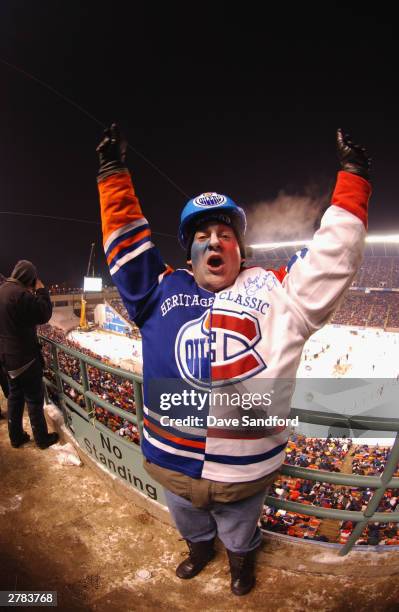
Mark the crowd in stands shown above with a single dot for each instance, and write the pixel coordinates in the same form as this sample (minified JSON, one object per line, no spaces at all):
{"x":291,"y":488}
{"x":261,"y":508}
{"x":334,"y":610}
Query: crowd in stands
{"x":119,"y":306}
{"x":375,"y":533}
{"x":378,"y":272}
{"x":370,"y":460}
{"x":328,"y":454}
{"x":115,"y":390}
{"x":327,"y":496}
{"x":292,"y":524}
{"x":316,"y":453}
{"x":312,"y":493}
{"x":369,"y":309}
{"x":393,"y":315}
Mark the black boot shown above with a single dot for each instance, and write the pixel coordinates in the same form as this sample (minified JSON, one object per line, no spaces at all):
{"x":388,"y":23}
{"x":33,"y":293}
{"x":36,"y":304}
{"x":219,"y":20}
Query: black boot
{"x":52,"y":438}
{"x":200,"y":554}
{"x":25,"y":438}
{"x":242,"y":571}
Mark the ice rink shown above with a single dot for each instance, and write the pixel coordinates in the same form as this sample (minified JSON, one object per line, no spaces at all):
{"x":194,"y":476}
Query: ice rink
{"x":333,"y":352}
{"x":122,"y":351}
{"x":349,"y":352}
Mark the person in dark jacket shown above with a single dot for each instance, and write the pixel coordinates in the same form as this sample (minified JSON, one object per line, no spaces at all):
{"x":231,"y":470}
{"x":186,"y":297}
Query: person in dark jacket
{"x":3,"y":385}
{"x":3,"y":373}
{"x":24,"y":303}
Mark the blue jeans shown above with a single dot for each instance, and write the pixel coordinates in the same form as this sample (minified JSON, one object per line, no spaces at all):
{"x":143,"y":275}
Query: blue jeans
{"x":236,"y":523}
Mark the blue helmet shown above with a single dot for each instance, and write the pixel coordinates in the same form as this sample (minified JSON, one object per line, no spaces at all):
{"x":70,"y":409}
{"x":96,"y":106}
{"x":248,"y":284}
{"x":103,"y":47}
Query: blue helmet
{"x":209,"y":206}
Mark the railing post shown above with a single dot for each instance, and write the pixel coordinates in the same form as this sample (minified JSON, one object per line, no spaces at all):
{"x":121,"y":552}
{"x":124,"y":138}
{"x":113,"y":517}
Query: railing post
{"x":138,"y":400}
{"x":60,"y":388}
{"x":374,"y":501}
{"x":86,"y":387}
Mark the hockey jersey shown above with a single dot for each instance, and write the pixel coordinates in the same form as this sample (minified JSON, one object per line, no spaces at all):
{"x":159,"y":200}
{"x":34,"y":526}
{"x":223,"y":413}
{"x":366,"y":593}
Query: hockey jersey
{"x":199,"y":346}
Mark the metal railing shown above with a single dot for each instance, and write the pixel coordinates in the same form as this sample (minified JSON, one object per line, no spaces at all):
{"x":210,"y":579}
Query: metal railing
{"x":84,"y":389}
{"x":379,"y":484}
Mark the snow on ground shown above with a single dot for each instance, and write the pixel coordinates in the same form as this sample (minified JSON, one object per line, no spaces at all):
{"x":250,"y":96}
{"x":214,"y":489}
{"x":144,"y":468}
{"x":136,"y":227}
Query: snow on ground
{"x":10,"y":504}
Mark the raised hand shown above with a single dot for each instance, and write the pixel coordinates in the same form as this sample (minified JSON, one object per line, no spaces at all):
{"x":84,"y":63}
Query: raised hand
{"x":352,"y":157}
{"x":111,"y":152}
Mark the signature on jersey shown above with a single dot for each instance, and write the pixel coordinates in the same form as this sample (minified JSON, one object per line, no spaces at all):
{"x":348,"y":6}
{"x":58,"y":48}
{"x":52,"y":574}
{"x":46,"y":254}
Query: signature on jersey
{"x":254,"y":284}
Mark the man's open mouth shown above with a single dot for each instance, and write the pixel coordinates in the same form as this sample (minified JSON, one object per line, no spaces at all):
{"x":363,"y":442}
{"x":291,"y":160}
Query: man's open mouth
{"x":215,"y":262}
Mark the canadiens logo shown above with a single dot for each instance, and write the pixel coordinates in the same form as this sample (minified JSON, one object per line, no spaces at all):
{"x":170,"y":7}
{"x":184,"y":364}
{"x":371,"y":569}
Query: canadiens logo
{"x":221,"y":354}
{"x":206,"y":200}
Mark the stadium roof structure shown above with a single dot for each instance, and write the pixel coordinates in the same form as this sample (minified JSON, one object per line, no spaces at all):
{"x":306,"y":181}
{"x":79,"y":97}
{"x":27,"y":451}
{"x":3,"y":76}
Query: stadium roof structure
{"x":376,"y":246}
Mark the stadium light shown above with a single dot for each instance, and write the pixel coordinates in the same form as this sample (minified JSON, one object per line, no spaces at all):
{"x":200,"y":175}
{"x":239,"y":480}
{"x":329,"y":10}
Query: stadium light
{"x":392,"y":238}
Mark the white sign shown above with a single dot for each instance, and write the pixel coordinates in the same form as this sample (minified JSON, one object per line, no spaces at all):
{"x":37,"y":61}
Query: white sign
{"x":92,"y":284}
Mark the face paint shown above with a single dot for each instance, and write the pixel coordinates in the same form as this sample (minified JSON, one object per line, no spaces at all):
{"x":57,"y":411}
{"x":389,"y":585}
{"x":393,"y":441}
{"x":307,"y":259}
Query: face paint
{"x":198,"y":250}
{"x":215,"y":256}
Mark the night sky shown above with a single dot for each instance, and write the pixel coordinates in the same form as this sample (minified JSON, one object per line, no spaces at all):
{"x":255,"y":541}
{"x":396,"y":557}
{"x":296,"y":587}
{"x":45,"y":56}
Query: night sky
{"x":229,"y":100}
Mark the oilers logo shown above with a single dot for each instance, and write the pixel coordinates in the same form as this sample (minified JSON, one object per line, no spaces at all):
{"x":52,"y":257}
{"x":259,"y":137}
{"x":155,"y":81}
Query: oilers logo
{"x":219,"y":347}
{"x":208,"y":200}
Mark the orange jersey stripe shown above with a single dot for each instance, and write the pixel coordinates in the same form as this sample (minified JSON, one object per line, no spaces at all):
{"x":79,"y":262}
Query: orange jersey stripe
{"x":172,"y":438}
{"x":127,"y":242}
{"x":352,"y":193}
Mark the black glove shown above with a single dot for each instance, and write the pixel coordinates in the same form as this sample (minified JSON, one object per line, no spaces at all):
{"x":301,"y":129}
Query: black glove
{"x":352,"y":157}
{"x":111,"y":152}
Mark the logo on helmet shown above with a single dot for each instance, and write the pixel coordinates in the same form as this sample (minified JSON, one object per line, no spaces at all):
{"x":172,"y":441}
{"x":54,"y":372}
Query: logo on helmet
{"x":208,"y":200}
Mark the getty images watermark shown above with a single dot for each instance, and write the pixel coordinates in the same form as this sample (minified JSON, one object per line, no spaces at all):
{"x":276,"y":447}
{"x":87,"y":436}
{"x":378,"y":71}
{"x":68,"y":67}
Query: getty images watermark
{"x":193,"y":399}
